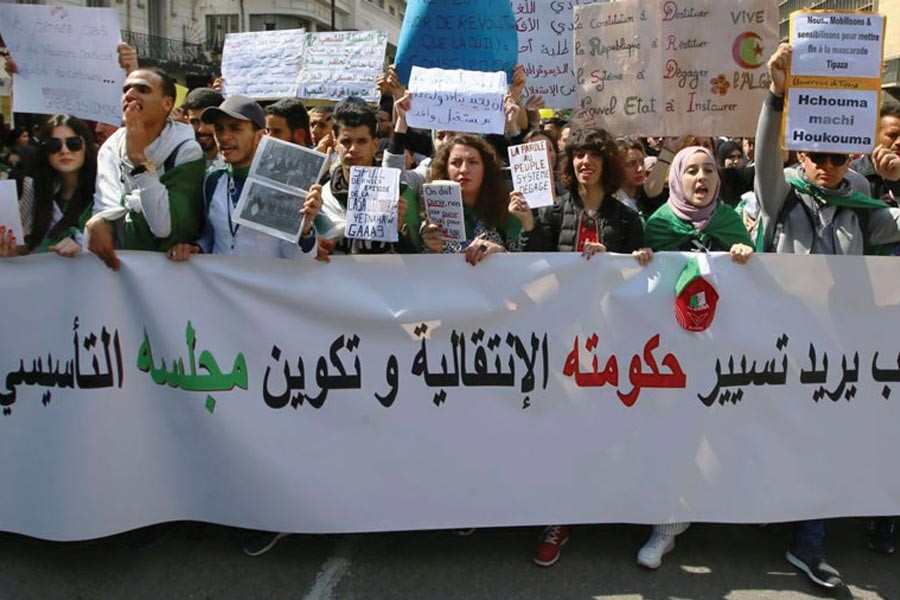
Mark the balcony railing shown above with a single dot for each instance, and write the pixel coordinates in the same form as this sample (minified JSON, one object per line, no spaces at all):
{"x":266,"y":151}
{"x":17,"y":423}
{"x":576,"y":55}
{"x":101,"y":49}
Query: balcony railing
{"x":168,"y":53}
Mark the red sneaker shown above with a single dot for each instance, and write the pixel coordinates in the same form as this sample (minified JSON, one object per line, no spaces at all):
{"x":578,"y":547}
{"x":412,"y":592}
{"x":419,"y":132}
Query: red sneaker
{"x":552,"y":540}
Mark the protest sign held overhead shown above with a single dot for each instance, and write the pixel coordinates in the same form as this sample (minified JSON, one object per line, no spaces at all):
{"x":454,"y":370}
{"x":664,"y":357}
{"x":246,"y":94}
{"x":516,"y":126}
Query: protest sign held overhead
{"x":530,"y":166}
{"x":674,"y":68}
{"x":467,"y":101}
{"x":545,"y":48}
{"x":263,"y":64}
{"x":67,"y":58}
{"x":475,"y":35}
{"x":372,"y":204}
{"x":338,"y":64}
{"x":834,"y":88}
{"x":444,"y":208}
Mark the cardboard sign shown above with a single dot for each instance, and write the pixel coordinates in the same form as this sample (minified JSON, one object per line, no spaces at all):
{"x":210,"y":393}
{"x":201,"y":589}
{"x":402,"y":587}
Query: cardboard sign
{"x":834,"y":88}
{"x":659,"y":67}
{"x":372,"y":204}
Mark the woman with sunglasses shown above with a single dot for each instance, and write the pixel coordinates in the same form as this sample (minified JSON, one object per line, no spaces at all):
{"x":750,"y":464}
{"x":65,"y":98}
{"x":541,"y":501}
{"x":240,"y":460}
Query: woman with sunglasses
{"x":57,"y":195}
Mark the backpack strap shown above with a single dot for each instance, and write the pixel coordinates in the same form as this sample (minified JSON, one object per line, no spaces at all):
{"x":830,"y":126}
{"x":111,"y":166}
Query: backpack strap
{"x":210,"y":184}
{"x":169,"y":163}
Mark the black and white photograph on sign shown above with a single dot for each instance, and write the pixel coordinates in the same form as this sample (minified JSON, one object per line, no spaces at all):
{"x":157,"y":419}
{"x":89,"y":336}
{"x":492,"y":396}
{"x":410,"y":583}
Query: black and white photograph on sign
{"x":270,"y":210}
{"x":287,"y":164}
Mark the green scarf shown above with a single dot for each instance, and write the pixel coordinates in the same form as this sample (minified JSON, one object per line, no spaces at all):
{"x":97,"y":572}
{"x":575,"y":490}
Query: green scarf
{"x":665,"y":231}
{"x":69,"y":232}
{"x":832,"y":197}
{"x":185,"y":186}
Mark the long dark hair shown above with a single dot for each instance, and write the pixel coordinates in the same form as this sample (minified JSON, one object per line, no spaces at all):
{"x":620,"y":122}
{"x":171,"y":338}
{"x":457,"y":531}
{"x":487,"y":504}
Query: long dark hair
{"x":46,"y":180}
{"x":595,"y":140}
{"x":493,"y":197}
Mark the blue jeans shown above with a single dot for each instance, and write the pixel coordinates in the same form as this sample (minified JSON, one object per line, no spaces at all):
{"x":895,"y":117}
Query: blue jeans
{"x":809,"y":537}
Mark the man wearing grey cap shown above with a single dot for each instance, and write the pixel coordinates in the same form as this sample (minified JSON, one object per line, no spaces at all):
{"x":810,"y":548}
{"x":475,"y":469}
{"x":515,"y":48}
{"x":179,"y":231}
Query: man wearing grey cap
{"x":239,"y":125}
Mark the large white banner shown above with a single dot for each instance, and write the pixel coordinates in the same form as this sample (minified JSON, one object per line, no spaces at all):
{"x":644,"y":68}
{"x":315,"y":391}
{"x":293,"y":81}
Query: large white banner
{"x":411,"y":392}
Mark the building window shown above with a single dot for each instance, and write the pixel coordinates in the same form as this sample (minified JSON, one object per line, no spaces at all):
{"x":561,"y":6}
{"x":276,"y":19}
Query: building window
{"x":98,"y":3}
{"x":380,"y":3}
{"x":391,"y":10}
{"x":216,"y":28}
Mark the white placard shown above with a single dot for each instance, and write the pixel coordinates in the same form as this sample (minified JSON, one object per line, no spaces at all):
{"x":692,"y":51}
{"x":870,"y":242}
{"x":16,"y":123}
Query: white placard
{"x":443,"y":206}
{"x":263,"y":64}
{"x":9,"y":210}
{"x":68,"y":60}
{"x":660,"y":67}
{"x":545,"y":48}
{"x":837,"y":44}
{"x":821,"y":120}
{"x":372,"y":204}
{"x":530,"y":167}
{"x":457,"y":100}
{"x":339,"y":64}
{"x":275,"y":189}
{"x":386,"y":393}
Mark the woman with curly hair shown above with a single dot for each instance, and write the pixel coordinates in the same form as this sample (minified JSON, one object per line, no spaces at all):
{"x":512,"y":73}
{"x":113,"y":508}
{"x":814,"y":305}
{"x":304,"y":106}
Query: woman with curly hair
{"x":472,"y":163}
{"x":57,"y":195}
{"x":587,"y":219}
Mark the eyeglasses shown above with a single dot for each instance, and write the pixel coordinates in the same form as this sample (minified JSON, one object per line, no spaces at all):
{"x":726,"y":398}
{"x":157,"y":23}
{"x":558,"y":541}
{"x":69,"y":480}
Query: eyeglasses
{"x":837,"y":160}
{"x":54,"y":145}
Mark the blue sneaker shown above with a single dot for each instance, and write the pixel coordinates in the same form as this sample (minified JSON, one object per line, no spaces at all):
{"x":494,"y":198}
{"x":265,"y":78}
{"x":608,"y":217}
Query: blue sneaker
{"x":816,"y":568}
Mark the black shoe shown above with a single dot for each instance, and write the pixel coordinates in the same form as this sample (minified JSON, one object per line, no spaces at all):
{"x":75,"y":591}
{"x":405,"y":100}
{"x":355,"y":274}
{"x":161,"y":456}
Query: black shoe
{"x":815,"y":567}
{"x":262,"y":542}
{"x":881,"y":535}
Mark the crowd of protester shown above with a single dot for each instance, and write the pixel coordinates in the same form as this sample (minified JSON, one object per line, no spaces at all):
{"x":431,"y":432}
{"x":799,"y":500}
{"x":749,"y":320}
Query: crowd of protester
{"x":168,"y":180}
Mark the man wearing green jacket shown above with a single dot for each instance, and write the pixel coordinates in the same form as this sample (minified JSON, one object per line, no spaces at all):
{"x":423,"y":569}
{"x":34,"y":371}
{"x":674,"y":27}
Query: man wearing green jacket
{"x":149,"y":193}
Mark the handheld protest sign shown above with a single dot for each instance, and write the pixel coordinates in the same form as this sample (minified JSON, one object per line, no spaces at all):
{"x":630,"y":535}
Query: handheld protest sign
{"x":372,"y":204}
{"x":833,"y":93}
{"x":263,"y":64}
{"x":464,"y":34}
{"x":465,"y":101}
{"x":272,"y":196}
{"x":9,"y":210}
{"x":530,"y":166}
{"x":338,"y":64}
{"x":68,"y":60}
{"x":443,"y":205}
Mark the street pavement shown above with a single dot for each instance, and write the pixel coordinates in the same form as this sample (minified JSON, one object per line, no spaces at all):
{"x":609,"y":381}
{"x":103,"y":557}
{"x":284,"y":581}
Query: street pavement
{"x":204,"y":562}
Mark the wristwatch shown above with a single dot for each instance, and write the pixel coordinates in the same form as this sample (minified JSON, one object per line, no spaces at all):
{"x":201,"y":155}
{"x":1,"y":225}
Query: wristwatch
{"x":148,"y":167}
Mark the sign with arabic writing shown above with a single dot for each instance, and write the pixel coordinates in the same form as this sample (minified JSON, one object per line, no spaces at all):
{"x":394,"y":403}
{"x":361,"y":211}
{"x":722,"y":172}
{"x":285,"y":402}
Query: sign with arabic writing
{"x":263,"y":64}
{"x":545,"y":48}
{"x":161,"y":411}
{"x":338,"y":64}
{"x":674,"y":67}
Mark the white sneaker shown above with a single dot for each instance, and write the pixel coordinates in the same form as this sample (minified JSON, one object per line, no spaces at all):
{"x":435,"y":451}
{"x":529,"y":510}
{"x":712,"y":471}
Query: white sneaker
{"x":651,"y":554}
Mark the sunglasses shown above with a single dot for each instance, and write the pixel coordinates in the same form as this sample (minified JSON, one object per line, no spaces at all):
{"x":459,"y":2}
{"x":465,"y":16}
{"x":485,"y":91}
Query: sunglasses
{"x":837,"y":160}
{"x":73,"y":143}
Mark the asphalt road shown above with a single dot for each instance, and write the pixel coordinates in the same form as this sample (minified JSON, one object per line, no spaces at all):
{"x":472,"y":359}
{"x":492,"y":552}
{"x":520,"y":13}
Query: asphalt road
{"x":204,"y":562}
